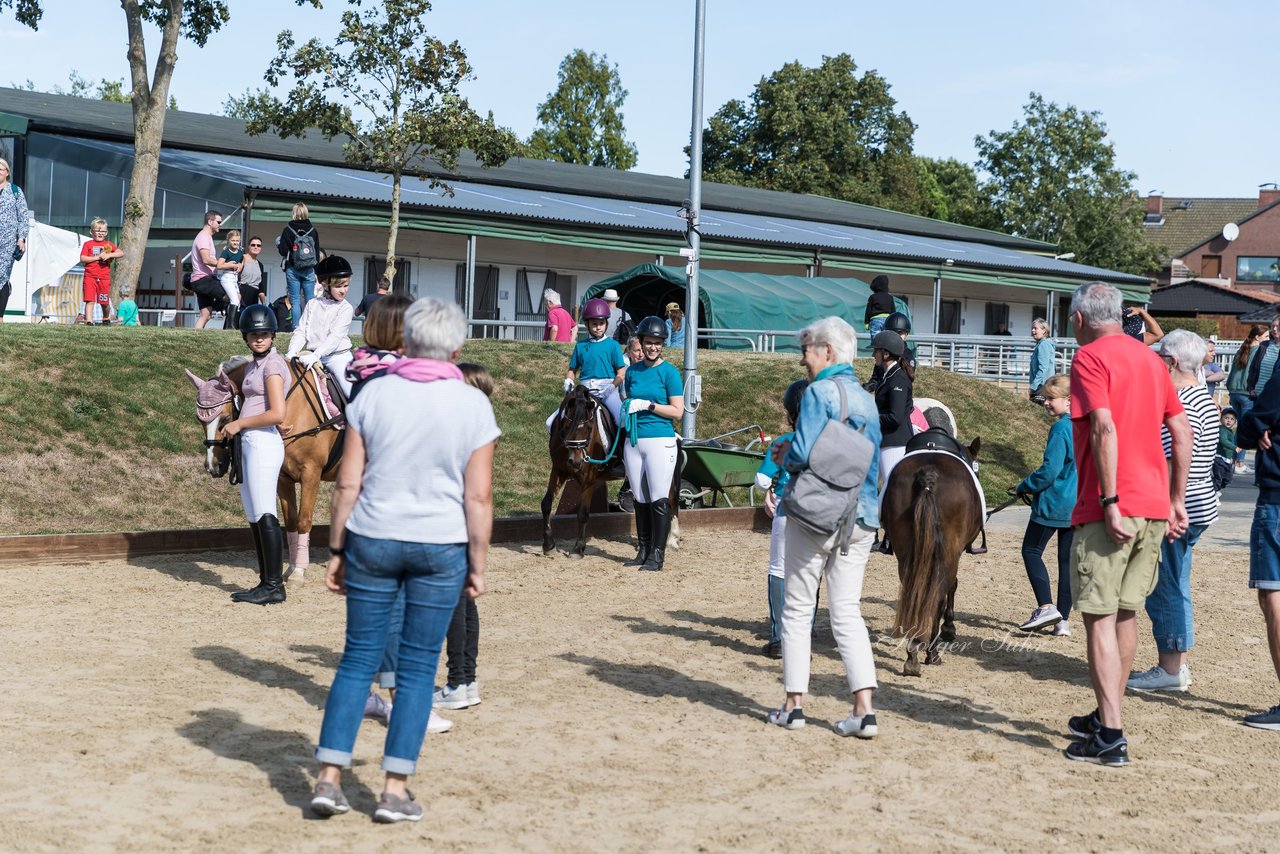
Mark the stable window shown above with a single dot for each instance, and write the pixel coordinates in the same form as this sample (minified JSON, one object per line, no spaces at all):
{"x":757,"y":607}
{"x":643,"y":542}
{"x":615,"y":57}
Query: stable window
{"x":484,"y":298}
{"x":949,"y":317}
{"x":529,"y":287}
{"x":1258,"y":269}
{"x":997,"y":321}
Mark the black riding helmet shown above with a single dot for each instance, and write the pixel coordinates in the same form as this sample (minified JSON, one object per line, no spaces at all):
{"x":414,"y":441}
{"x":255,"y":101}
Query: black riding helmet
{"x":333,"y":267}
{"x":257,"y":318}
{"x":898,"y":322}
{"x":791,"y":400}
{"x":652,"y":327}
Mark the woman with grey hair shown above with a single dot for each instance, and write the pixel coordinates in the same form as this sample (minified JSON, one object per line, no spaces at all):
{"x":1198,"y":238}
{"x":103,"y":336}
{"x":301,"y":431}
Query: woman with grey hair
{"x":14,"y":223}
{"x":1041,"y":360}
{"x":828,"y":347}
{"x":560,"y":325}
{"x":412,"y":512}
{"x":1169,"y":605}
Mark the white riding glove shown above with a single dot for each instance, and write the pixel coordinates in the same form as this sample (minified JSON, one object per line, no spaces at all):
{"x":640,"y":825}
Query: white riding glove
{"x":638,"y":404}
{"x":309,"y":360}
{"x":568,"y":385}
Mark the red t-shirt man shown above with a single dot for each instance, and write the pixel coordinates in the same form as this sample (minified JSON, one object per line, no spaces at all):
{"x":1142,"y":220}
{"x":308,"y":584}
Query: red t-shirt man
{"x":1116,"y":372}
{"x":97,"y":274}
{"x":565,"y":328}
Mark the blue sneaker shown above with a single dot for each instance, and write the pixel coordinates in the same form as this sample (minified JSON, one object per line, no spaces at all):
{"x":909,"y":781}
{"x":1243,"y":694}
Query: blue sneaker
{"x":1270,"y":719}
{"x":1094,"y":749}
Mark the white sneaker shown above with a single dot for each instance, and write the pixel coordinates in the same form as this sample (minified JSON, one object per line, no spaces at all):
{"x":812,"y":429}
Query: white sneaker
{"x":452,"y":698}
{"x":377,"y":707}
{"x":1041,"y":617}
{"x":1156,"y":679}
{"x":435,"y":723}
{"x":862,"y":726}
{"x":1062,"y":630}
{"x":473,"y":693}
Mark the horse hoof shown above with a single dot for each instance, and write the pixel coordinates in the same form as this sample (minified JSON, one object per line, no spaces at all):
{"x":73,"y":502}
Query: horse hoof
{"x":576,"y":555}
{"x":911,"y":668}
{"x":947,"y":635}
{"x":933,"y":658}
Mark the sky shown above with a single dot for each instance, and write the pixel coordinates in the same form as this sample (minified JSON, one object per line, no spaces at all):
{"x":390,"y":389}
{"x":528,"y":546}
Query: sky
{"x":1186,"y":88}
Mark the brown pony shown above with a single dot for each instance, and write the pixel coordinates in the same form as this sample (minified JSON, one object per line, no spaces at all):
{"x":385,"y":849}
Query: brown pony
{"x":311,"y":445}
{"x":578,"y":437}
{"x":931,"y":512}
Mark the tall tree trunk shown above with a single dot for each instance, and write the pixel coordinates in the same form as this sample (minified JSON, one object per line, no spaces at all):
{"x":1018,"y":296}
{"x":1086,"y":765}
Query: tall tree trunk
{"x":394,"y":231}
{"x":150,"y":100}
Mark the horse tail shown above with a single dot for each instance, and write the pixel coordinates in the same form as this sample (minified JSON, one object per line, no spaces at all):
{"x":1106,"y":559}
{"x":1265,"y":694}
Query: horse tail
{"x":924,"y":583}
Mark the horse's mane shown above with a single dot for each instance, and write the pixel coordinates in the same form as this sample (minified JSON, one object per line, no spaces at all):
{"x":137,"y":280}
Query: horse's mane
{"x":231,"y":364}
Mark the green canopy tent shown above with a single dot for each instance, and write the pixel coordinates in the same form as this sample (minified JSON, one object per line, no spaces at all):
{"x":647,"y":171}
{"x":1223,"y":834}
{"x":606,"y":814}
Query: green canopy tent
{"x":750,"y":301}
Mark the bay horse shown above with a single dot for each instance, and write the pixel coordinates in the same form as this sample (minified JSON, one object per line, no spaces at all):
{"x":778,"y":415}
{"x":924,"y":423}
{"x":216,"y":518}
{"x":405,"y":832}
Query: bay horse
{"x":932,"y":510}
{"x":582,"y":432}
{"x":312,"y":446}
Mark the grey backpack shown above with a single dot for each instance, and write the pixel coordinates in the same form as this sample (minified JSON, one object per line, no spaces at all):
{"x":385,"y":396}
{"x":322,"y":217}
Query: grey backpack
{"x":823,"y":498}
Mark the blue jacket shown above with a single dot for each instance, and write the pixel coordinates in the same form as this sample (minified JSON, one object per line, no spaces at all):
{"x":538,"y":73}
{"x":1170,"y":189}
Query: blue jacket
{"x":1054,"y":483}
{"x":1265,"y":415}
{"x":1041,"y":363}
{"x":821,"y":403}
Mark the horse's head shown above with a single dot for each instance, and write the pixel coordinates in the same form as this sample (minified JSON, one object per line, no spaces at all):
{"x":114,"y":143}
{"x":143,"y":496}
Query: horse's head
{"x":576,"y":425}
{"x":215,"y":406}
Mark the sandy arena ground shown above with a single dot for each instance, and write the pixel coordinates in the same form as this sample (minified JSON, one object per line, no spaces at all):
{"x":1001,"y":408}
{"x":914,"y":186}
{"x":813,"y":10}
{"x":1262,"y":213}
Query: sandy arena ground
{"x":622,"y":711}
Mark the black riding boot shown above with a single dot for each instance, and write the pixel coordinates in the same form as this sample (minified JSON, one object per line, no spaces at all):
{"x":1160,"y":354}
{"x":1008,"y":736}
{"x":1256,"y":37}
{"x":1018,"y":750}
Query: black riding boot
{"x":272,"y":589}
{"x":660,"y":513}
{"x":644,"y":530}
{"x":262,"y":565}
{"x":231,"y":320}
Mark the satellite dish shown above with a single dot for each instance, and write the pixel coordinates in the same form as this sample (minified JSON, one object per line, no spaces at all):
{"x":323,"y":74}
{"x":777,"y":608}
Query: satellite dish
{"x":1231,"y":231}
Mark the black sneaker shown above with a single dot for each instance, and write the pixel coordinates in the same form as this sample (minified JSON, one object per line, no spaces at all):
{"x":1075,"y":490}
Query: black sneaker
{"x":1093,"y":749}
{"x":773,"y":649}
{"x":1084,"y":726}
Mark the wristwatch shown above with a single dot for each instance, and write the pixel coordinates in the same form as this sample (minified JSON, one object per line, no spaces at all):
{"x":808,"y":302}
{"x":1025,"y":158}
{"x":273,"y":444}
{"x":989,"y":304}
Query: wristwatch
{"x":1107,"y":502}
{"x":340,"y":552}
{"x":652,"y":406}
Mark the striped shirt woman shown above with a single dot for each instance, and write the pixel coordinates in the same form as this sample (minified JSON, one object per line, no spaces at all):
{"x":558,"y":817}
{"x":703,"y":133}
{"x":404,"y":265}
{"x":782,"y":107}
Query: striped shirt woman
{"x":1202,"y":498}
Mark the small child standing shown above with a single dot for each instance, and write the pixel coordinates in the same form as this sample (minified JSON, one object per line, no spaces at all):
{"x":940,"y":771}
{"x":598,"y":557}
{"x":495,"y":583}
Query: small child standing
{"x":462,"y":641}
{"x":774,"y":479}
{"x":96,"y":255}
{"x":1224,"y":460}
{"x":230,"y":263}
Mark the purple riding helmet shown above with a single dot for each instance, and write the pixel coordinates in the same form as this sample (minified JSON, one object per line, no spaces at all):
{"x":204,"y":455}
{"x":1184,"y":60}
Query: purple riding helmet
{"x":595,"y":309}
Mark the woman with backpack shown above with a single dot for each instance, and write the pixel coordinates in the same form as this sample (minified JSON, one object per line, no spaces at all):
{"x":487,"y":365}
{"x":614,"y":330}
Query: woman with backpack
{"x":299,"y":246}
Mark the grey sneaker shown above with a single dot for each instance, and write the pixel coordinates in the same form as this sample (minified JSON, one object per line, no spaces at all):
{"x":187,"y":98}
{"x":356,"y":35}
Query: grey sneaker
{"x":1270,"y":719}
{"x":473,"y":693}
{"x":1156,"y":679}
{"x":377,"y":707}
{"x":1043,"y":616}
{"x":451,"y":698}
{"x":862,"y":726}
{"x":393,"y":808}
{"x":328,"y":800}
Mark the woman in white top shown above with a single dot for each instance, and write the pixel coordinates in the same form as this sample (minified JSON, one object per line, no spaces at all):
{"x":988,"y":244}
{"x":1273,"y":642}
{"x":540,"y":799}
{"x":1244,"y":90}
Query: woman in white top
{"x":1169,"y":605}
{"x":324,"y":329}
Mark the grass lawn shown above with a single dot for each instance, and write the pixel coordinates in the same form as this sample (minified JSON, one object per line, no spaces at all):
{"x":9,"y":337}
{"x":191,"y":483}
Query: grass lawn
{"x":98,"y":431}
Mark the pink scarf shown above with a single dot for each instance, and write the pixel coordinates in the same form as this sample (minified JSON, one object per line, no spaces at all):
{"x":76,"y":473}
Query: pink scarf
{"x":424,"y":370}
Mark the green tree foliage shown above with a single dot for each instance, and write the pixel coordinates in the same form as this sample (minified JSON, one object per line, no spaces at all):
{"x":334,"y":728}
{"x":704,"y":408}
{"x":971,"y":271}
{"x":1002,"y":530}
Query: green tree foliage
{"x":386,"y":86}
{"x":79,"y":87}
{"x":949,"y":191}
{"x":1053,"y":177}
{"x":821,"y":130}
{"x":194,"y":20}
{"x":581,"y":121}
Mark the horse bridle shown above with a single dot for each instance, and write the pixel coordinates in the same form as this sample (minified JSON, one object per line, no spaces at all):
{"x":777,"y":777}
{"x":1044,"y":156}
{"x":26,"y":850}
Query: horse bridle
{"x":577,"y":425}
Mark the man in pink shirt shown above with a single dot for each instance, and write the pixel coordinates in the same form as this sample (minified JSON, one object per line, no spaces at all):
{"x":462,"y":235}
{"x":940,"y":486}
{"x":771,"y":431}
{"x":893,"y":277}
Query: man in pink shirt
{"x":1127,"y":498}
{"x":204,"y":261}
{"x":560,"y":325}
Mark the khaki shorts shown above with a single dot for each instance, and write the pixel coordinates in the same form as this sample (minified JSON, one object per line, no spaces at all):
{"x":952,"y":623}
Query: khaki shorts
{"x":1106,"y":577}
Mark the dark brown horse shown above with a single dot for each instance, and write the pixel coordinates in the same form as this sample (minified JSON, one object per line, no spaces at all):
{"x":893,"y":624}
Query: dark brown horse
{"x":931,"y":512}
{"x":580,"y":434}
{"x":310,"y":435}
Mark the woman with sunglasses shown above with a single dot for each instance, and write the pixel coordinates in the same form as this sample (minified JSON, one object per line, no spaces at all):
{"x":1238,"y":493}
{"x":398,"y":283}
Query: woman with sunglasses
{"x":655,"y":396}
{"x":251,"y":290}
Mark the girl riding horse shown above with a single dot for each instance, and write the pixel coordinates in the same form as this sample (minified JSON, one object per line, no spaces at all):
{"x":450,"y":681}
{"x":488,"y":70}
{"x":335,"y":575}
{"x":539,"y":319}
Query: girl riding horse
{"x":598,"y":362}
{"x":326,"y":322}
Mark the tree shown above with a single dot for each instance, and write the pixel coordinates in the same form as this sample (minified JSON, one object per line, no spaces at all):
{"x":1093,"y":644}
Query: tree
{"x":1053,"y":177}
{"x":390,"y":89}
{"x":195,"y":20}
{"x":821,"y":130}
{"x":79,"y":87}
{"x":581,"y":121}
{"x":949,"y":191}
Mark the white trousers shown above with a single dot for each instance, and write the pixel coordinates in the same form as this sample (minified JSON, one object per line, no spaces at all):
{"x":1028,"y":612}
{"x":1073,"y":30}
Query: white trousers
{"x":605,"y":392}
{"x":263,"y":457}
{"x":650,"y":466}
{"x":808,"y":559}
{"x":889,"y":457}
{"x":778,"y":547}
{"x":230,"y":282}
{"x":336,"y":364}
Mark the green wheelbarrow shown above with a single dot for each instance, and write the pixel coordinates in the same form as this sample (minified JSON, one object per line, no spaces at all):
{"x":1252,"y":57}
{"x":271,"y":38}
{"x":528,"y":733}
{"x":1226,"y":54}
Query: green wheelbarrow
{"x":710,"y":466}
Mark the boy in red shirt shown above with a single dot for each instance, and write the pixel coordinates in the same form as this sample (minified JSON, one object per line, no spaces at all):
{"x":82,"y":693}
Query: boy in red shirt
{"x":96,"y":256}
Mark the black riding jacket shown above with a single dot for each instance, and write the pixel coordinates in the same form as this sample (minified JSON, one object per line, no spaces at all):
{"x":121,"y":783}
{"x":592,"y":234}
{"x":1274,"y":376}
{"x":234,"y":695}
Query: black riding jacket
{"x":894,"y":400}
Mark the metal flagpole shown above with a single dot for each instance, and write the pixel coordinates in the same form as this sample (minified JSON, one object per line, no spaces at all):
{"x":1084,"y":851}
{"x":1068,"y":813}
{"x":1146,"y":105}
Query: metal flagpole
{"x":692,"y":384}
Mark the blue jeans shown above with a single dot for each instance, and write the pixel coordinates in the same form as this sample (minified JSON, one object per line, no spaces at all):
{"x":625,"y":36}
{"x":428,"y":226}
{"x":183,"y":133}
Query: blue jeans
{"x":431,"y":577}
{"x":1034,"y":542}
{"x":1241,"y":403}
{"x":777,"y":598}
{"x":1264,"y":548}
{"x":1169,"y":605}
{"x":302,"y":287}
{"x":876,"y":324}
